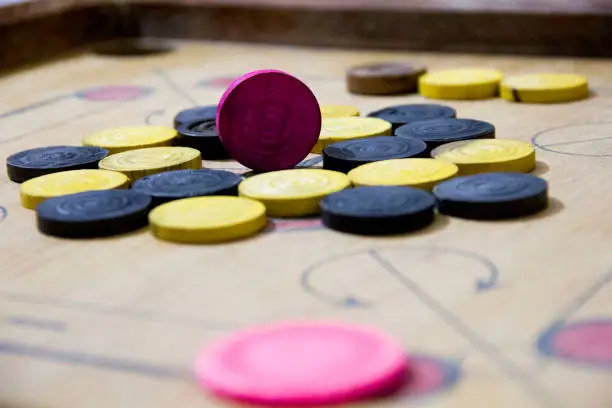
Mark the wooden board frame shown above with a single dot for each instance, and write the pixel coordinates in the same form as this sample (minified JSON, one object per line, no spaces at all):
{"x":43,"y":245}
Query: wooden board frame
{"x":550,"y":27}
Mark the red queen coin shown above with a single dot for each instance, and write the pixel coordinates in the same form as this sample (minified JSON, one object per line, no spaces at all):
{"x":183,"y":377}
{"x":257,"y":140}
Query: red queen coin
{"x":268,"y":120}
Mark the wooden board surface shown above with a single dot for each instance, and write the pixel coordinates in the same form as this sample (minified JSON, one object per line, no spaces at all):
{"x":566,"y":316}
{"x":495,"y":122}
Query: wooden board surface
{"x":481,"y":305}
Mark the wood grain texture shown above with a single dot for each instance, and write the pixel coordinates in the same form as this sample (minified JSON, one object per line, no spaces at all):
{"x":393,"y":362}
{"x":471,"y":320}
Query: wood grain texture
{"x":16,"y":12}
{"x":45,"y":37}
{"x":545,"y":6}
{"x":117,"y":322}
{"x":555,"y":27}
{"x":443,"y":30}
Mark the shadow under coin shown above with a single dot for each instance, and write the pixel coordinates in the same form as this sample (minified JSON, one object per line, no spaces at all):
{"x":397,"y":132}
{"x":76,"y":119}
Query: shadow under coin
{"x":394,"y":389}
{"x":555,"y":206}
{"x":426,"y":376}
{"x":541,"y":168}
{"x":269,"y":228}
{"x":250,"y":173}
{"x":439,"y":223}
{"x":128,"y":234}
{"x":595,"y":93}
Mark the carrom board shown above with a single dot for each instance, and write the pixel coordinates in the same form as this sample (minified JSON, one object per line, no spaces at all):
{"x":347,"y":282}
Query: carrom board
{"x":494,"y":314}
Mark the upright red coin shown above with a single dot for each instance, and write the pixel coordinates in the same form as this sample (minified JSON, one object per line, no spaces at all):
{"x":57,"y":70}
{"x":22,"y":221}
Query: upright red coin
{"x":268,"y":120}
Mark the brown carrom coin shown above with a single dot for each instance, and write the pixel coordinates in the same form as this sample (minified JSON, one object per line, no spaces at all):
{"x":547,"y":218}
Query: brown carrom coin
{"x":383,"y":78}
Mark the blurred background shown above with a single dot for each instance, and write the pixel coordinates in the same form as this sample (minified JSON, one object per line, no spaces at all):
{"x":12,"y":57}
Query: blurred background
{"x":577,"y":28}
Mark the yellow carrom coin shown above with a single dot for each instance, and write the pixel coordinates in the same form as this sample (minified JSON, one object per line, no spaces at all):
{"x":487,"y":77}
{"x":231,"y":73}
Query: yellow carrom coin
{"x":418,"y":172}
{"x":545,"y":88}
{"x":488,"y":155}
{"x":461,"y":83}
{"x":293,"y":193}
{"x":118,"y":140}
{"x":338,"y":129}
{"x":34,"y":191}
{"x":210,"y":219}
{"x":138,"y":163}
{"x":338,"y":111}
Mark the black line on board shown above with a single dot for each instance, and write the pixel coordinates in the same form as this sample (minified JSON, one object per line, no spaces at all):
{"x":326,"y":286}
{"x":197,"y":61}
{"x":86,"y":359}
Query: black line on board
{"x":35,"y":105}
{"x":584,"y":298}
{"x":3,"y":213}
{"x":547,"y":398}
{"x":150,"y":115}
{"x":93,"y":360}
{"x":37,"y":323}
{"x":161,"y":371}
{"x":90,"y":307}
{"x":174,"y":86}
{"x":573,"y":307}
{"x":313,"y":161}
{"x":534,"y":139}
{"x":63,"y":122}
{"x":481,"y":285}
{"x":595,"y":139}
{"x":346,"y":300}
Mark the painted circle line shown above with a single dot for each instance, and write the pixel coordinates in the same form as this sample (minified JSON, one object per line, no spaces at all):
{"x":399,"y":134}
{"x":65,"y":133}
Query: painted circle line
{"x":481,"y":284}
{"x":587,"y":342}
{"x":431,"y":375}
{"x":552,"y":147}
{"x":114,"y":93}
